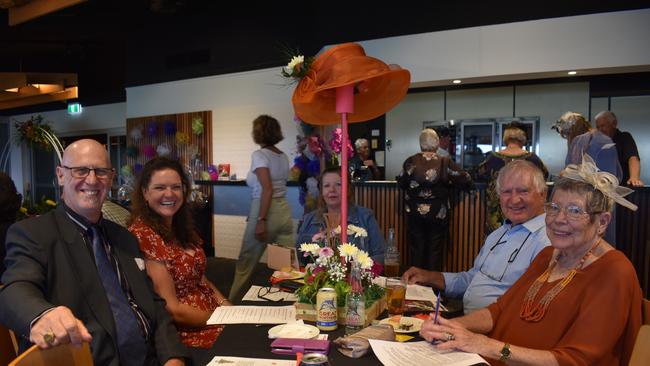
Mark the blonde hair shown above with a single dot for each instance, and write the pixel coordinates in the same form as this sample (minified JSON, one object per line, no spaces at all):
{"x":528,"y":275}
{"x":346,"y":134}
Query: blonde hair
{"x":429,"y":140}
{"x":514,"y":134}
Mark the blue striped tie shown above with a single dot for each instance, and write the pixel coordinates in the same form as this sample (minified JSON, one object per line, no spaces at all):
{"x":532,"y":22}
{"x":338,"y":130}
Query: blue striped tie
{"x":130,"y":342}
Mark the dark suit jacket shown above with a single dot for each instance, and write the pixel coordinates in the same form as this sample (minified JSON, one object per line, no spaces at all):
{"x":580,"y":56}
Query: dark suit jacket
{"x":49,"y":264}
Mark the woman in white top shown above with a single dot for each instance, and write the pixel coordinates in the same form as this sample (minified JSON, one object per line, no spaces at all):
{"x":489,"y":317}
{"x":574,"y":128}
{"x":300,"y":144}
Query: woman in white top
{"x":269,"y":219}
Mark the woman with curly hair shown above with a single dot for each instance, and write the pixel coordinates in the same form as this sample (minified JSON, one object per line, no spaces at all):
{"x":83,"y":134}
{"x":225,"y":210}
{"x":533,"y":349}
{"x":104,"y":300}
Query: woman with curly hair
{"x":175,"y":260}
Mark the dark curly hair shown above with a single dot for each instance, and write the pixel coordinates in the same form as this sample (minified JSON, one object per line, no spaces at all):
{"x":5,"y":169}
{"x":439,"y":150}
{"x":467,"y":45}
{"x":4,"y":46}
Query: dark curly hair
{"x":10,"y":199}
{"x":182,"y":229}
{"x":266,"y":131}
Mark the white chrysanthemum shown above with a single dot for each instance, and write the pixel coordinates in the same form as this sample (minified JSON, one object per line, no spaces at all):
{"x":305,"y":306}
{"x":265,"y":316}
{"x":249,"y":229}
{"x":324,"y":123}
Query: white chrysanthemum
{"x":310,"y":248}
{"x":295,"y":60}
{"x":364,"y":260}
{"x":348,"y":250}
{"x":357,"y":231}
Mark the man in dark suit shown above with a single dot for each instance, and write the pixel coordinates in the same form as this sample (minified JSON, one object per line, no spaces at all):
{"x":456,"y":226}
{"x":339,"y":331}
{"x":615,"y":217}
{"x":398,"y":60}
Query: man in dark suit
{"x":74,"y":277}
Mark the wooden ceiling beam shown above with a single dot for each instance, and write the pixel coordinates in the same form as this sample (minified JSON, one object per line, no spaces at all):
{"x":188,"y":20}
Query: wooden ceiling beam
{"x":69,"y":93}
{"x":37,"y":8}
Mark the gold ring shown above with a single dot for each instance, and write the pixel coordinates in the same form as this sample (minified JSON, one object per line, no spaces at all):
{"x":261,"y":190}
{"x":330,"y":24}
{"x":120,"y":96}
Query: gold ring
{"x":450,"y":337}
{"x":49,"y":338}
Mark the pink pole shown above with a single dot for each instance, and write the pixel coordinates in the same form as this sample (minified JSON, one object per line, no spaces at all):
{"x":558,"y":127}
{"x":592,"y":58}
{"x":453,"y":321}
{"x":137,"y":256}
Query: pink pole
{"x":344,"y":105}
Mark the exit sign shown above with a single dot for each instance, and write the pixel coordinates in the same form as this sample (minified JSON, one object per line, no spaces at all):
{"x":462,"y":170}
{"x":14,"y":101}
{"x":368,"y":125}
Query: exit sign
{"x":74,"y":108}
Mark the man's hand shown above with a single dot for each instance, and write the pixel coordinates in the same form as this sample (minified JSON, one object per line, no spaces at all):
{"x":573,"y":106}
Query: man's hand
{"x":58,"y":326}
{"x":175,"y":362}
{"x":415,"y":274}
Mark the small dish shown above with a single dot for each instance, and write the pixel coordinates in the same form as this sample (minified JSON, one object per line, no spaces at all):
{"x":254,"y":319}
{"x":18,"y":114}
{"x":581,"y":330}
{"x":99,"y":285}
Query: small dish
{"x":293,"y":275}
{"x":403,"y":324}
{"x":303,"y":331}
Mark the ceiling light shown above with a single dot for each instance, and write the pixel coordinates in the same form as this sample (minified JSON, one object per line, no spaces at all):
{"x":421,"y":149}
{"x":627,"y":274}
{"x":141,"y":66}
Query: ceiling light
{"x":572,"y":72}
{"x":12,"y":90}
{"x":457,"y":81}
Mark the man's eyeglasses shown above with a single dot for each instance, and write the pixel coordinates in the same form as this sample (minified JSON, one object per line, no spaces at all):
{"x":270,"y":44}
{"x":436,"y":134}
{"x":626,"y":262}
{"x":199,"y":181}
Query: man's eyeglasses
{"x":82,"y":171}
{"x":572,"y":212}
{"x":511,"y":259}
{"x":268,"y":290}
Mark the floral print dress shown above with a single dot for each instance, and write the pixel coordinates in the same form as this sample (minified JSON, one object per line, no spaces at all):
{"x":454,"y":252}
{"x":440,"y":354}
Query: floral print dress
{"x":187,"y":272}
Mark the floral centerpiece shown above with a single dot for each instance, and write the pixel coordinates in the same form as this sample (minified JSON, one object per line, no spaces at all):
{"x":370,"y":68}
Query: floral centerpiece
{"x":331,"y":266}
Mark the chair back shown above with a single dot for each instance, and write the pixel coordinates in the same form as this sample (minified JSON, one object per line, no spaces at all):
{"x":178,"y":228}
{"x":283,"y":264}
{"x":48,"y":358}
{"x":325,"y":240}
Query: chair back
{"x":65,"y":354}
{"x":641,"y":351}
{"x":646,"y":311}
{"x":7,"y":346}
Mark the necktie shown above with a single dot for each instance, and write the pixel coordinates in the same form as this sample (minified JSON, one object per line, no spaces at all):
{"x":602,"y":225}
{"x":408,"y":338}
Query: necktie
{"x":130,"y":342}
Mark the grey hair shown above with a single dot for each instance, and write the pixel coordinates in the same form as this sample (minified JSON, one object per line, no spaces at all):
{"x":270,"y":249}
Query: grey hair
{"x":429,"y":140}
{"x":595,"y":200}
{"x":518,"y":167}
{"x":359,"y":142}
{"x":609,"y":115}
{"x":514,"y":134}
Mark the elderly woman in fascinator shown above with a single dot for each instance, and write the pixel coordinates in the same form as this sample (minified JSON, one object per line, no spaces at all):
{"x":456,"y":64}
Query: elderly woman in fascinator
{"x":579,"y":303}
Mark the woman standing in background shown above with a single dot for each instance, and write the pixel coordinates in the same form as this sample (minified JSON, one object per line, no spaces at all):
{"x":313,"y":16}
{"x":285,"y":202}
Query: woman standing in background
{"x":269,"y":218}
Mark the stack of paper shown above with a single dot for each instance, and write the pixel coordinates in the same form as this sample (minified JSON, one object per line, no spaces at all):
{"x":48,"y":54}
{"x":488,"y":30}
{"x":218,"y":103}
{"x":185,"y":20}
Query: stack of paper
{"x":420,"y":353}
{"x":253,"y":315}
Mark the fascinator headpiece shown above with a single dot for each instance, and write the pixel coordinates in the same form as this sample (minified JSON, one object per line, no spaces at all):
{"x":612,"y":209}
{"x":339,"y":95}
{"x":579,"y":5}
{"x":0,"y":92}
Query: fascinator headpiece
{"x":605,"y":182}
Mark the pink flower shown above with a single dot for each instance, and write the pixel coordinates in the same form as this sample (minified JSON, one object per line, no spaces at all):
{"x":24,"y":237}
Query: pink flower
{"x":326,"y":252}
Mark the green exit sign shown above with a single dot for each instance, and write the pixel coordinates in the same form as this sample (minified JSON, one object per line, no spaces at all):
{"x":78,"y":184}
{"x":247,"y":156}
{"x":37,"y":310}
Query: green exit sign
{"x":74,"y":108}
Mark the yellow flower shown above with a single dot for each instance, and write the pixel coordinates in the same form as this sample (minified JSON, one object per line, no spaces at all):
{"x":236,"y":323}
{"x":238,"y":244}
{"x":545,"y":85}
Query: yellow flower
{"x":23,"y":210}
{"x":310,"y":248}
{"x":50,"y":203}
{"x":348,"y":250}
{"x":364,"y":260}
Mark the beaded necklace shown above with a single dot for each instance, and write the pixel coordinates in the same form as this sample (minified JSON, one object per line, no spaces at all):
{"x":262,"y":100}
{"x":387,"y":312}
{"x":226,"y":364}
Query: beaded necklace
{"x":535,"y":312}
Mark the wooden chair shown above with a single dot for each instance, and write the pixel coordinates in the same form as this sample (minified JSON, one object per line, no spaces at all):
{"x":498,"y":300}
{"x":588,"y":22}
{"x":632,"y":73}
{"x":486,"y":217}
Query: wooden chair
{"x":646,"y":311}
{"x":65,"y":354}
{"x":7,"y":346}
{"x":641,"y":351}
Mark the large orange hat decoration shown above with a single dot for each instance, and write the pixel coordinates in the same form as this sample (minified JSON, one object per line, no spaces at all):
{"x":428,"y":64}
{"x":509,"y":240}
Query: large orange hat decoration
{"x":378,"y":87}
{"x":344,"y":84}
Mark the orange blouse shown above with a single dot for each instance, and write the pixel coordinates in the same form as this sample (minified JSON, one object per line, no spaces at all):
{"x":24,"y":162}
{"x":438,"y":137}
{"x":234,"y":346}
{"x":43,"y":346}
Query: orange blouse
{"x":592,"y":321}
{"x":187,"y":272}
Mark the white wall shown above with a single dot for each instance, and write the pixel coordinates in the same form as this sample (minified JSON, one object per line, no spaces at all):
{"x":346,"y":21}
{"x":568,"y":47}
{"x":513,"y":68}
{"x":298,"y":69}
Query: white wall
{"x":234,"y":99}
{"x":633,"y":115}
{"x":618,"y":39}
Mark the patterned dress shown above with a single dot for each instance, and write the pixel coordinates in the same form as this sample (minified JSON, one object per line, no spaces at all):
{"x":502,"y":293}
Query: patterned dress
{"x":187,"y":272}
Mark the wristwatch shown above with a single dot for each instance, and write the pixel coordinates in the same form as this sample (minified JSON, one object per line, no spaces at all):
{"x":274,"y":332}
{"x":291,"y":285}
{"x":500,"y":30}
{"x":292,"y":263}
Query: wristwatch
{"x":505,"y":352}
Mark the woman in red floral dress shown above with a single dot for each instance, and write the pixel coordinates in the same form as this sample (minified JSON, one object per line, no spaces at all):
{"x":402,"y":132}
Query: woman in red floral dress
{"x":175,"y":260}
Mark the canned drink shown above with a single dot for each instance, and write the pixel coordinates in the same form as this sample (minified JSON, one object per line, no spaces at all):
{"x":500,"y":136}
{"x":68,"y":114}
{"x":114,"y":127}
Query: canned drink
{"x":312,"y":359}
{"x":326,"y":316}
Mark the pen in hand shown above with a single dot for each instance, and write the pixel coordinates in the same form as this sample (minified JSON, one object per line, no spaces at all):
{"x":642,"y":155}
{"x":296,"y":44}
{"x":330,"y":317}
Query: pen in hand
{"x":435,"y":318}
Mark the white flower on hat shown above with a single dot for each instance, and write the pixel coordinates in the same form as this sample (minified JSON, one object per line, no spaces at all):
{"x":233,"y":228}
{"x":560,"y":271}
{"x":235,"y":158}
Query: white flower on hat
{"x":295,"y":60}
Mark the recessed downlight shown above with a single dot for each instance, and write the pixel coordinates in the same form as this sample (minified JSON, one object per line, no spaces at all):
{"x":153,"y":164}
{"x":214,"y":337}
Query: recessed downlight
{"x":572,"y":72}
{"x":457,"y":81}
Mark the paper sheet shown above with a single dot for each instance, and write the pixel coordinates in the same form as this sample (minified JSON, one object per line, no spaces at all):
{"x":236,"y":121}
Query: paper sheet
{"x":420,"y":353}
{"x":253,"y":315}
{"x":251,"y":295}
{"x":417,"y":292}
{"x":241,"y":361}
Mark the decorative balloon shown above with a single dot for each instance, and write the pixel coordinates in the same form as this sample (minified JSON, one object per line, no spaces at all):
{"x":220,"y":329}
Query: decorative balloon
{"x":132,"y":151}
{"x":182,"y":138}
{"x":149,"y":151}
{"x":164,"y":149}
{"x":169,"y":128}
{"x":197,"y":125}
{"x":137,"y":168}
{"x":152,"y":129}
{"x":136,"y":133}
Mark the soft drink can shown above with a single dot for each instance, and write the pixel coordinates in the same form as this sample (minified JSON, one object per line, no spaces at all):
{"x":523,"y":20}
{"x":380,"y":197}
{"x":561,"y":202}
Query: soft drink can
{"x":313,"y":359}
{"x":326,"y":315}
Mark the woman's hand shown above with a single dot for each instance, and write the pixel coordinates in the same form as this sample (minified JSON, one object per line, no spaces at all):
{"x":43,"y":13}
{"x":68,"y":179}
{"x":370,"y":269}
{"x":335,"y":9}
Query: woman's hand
{"x":260,"y":230}
{"x":453,"y":335}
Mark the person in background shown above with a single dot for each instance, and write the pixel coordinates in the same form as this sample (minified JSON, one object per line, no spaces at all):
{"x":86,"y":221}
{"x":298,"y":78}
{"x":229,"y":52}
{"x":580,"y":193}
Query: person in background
{"x":426,"y":179}
{"x":583,"y":139}
{"x":362,"y":167}
{"x":10,"y":201}
{"x":74,"y":277}
{"x":445,"y":139}
{"x":175,"y":259}
{"x":628,"y":155}
{"x":269,"y":218}
{"x":514,"y":138}
{"x":579,"y":302}
{"x":329,"y":208}
{"x":509,"y":250}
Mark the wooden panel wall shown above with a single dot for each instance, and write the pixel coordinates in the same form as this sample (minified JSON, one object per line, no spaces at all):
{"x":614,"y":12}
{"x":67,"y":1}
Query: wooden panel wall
{"x":183,"y":151}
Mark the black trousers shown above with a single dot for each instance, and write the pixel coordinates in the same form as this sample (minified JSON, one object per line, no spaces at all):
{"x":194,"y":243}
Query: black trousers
{"x":425,"y":237}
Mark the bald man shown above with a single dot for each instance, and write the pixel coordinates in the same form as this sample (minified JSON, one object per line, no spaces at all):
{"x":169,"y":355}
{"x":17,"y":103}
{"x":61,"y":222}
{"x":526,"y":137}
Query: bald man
{"x":74,"y":277}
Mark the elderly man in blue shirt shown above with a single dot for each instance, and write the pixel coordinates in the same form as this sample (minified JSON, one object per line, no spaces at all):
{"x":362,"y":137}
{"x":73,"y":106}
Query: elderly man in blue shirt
{"x":508,"y":250}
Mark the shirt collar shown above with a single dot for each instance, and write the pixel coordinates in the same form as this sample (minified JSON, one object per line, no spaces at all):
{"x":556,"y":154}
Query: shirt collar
{"x":79,"y":220}
{"x":533,"y":224}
